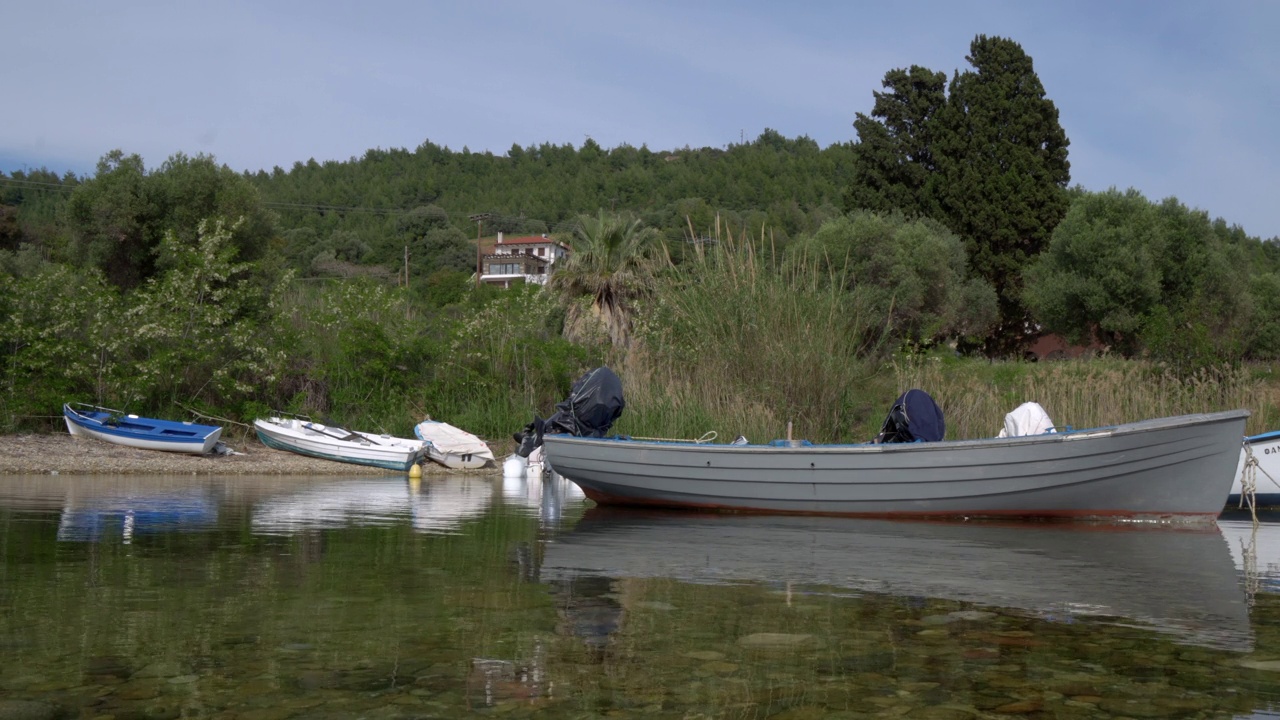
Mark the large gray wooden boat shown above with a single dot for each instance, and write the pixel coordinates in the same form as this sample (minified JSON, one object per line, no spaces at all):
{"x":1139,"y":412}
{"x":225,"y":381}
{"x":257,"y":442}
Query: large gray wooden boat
{"x":1176,"y":467}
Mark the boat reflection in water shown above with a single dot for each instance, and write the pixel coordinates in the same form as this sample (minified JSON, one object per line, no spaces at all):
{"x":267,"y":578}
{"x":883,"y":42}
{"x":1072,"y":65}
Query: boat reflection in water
{"x":436,"y":505}
{"x":1174,"y":580}
{"x":1255,"y":549}
{"x":116,"y":509}
{"x":549,"y":492}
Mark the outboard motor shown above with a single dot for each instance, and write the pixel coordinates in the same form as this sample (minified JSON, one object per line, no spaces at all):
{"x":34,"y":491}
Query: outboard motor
{"x":594,"y":403}
{"x":914,"y":417}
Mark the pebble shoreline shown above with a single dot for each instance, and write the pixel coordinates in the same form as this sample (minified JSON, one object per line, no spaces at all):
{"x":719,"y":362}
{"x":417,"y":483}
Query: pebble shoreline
{"x":58,"y":454}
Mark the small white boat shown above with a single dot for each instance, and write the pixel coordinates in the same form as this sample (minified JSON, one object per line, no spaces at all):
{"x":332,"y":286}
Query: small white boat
{"x":1265,"y":450}
{"x":302,"y":436}
{"x":121,"y":428}
{"x":453,"y":447}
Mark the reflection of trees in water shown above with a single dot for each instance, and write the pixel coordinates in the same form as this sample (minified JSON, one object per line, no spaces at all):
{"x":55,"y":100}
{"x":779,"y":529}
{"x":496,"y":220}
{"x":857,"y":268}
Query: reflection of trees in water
{"x":524,"y":561}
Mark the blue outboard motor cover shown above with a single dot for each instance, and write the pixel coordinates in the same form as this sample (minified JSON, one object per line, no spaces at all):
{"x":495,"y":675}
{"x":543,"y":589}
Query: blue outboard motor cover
{"x":914,"y":417}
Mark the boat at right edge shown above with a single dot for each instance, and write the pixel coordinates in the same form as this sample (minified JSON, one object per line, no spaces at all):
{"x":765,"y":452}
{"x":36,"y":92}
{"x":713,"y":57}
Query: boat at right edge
{"x":1175,"y":468}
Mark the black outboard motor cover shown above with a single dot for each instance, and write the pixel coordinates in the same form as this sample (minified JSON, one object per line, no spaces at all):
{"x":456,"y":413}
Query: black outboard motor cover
{"x":914,"y":417}
{"x":594,"y":403}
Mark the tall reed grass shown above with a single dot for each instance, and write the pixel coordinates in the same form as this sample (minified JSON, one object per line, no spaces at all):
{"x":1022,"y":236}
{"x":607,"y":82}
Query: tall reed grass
{"x":975,"y":394}
{"x":739,"y":342}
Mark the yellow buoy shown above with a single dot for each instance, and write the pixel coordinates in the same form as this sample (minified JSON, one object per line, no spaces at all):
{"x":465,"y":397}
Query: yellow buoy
{"x":415,"y":470}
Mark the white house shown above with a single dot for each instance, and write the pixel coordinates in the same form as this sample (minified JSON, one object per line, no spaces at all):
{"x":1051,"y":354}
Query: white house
{"x":531,"y":258}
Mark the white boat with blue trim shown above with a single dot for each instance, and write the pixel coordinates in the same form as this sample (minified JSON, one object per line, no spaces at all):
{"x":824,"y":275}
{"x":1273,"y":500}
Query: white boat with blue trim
{"x":122,"y":428}
{"x":305,"y":437}
{"x":1261,"y":456}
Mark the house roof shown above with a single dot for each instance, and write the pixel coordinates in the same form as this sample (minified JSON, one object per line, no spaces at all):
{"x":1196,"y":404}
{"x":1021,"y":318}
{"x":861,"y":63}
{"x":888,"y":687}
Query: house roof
{"x":489,"y":245}
{"x":530,"y":240}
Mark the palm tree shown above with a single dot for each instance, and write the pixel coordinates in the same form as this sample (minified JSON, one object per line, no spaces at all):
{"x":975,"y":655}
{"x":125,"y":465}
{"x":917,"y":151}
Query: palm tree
{"x":613,"y":261}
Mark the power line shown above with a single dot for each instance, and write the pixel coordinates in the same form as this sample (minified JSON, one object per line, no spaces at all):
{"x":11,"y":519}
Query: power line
{"x":38,"y":185}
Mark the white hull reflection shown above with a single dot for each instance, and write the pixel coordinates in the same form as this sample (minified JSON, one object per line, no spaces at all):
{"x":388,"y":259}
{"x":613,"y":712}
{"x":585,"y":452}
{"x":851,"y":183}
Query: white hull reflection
{"x":1255,"y":549}
{"x":549,"y":492}
{"x":429,"y":505}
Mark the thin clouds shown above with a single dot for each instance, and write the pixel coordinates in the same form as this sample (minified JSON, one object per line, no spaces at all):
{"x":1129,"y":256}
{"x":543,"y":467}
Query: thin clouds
{"x":1175,"y":99}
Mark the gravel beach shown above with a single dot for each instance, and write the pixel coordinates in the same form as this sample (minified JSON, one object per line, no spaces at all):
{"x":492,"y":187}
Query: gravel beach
{"x":67,"y":455}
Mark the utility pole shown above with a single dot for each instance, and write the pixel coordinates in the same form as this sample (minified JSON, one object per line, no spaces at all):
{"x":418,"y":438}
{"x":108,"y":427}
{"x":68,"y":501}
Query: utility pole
{"x":479,"y":219}
{"x":406,"y":267}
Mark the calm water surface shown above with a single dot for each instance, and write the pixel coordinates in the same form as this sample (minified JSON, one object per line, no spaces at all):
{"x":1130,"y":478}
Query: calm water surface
{"x":384,"y":597}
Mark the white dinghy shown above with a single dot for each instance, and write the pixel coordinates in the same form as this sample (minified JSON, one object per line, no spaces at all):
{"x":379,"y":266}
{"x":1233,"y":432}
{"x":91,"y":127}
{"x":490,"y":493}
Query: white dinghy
{"x":453,"y":447}
{"x":302,"y":436}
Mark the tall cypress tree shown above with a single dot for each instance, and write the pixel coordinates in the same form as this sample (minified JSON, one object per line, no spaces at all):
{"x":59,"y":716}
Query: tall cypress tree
{"x":1002,"y":173}
{"x":895,"y":144}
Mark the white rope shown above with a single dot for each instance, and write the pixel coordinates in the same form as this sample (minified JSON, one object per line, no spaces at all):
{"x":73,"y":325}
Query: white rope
{"x":1249,"y":559}
{"x":1249,"y":482}
{"x":707,"y":437}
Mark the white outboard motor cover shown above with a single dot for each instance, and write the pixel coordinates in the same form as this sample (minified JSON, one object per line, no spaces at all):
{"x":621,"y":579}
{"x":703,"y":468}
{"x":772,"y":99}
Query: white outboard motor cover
{"x":1026,"y":419}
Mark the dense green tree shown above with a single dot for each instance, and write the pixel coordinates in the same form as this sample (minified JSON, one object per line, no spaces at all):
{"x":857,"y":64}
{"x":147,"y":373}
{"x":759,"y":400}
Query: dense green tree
{"x":1002,"y":172}
{"x":1100,"y":275}
{"x":444,"y":248}
{"x":1151,"y":278}
{"x":1264,"y":291}
{"x":189,"y":190}
{"x":910,"y":273}
{"x":421,"y":220}
{"x":10,"y":231}
{"x":109,"y":217}
{"x":895,"y":150}
{"x":300,"y":245}
{"x":120,"y":216}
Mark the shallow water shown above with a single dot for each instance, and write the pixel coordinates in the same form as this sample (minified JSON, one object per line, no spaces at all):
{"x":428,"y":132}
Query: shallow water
{"x":384,"y":597}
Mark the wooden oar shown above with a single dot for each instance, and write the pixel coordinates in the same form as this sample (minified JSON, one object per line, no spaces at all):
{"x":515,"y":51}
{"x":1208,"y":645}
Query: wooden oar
{"x":349,"y":437}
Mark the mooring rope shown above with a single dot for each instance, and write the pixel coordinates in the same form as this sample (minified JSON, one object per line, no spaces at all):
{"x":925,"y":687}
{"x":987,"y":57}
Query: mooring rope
{"x":707,"y":437}
{"x":1249,"y":482}
{"x":1249,"y":559}
{"x":211,"y":417}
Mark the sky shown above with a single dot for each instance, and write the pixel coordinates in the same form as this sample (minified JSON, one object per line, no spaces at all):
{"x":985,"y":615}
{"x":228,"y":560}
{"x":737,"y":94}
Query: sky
{"x":1172,"y":97}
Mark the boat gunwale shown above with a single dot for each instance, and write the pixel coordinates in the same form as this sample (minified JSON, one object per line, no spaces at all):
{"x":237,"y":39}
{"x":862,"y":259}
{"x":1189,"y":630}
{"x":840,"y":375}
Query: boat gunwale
{"x":1141,"y":426}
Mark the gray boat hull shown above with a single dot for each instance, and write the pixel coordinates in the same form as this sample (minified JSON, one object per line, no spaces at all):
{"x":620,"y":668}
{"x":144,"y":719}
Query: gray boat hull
{"x":1177,"y":467}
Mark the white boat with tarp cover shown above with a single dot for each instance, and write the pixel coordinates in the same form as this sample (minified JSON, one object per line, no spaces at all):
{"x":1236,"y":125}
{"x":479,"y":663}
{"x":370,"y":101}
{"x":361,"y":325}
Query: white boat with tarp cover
{"x":306,"y":437}
{"x":122,"y":428}
{"x":1164,"y":468}
{"x":453,"y":447}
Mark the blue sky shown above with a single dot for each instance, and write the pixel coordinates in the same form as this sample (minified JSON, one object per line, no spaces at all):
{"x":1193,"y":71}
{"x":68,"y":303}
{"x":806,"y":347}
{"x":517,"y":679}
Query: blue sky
{"x":1173,"y":97}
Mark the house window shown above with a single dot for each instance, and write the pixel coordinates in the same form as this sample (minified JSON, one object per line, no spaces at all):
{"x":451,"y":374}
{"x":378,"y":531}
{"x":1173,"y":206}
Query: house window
{"x":504,"y":269}
{"x":541,"y":251}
